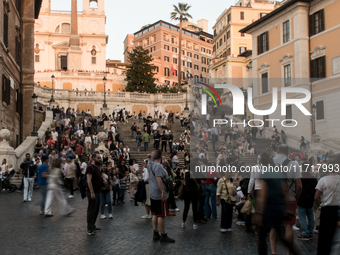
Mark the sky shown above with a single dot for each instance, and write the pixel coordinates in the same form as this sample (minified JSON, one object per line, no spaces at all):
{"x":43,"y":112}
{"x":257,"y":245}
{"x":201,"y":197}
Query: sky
{"x":128,"y":16}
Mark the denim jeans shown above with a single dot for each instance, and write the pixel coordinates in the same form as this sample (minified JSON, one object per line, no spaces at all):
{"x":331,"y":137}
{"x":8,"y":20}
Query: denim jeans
{"x":43,"y":190}
{"x":210,"y":192}
{"x":138,"y":145}
{"x":121,"y":195}
{"x":253,"y":137}
{"x":146,"y":146}
{"x":105,"y":197}
{"x":304,"y":213}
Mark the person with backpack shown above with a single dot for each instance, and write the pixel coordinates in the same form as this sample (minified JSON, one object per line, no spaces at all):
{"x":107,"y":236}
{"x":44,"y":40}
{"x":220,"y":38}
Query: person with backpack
{"x":94,"y":182}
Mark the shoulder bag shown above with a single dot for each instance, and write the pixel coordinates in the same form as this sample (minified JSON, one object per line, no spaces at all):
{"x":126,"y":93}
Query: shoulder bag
{"x":231,"y":199}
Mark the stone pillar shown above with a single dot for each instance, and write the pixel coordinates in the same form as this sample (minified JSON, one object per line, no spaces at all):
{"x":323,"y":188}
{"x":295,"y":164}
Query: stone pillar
{"x":27,"y":66}
{"x":74,"y":52}
{"x":6,"y":151}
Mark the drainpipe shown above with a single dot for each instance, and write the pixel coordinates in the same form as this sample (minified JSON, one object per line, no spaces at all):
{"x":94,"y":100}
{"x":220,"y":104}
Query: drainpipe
{"x":309,"y":49}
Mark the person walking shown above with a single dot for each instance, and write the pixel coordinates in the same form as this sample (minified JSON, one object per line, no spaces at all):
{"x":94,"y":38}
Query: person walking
{"x":327,"y":196}
{"x":157,"y":137}
{"x":105,"y":197}
{"x":28,"y":171}
{"x":225,"y":190}
{"x":54,"y":191}
{"x":158,"y":196}
{"x":42,"y":182}
{"x":139,"y":139}
{"x":146,"y":140}
{"x":88,"y":143}
{"x":191,"y":195}
{"x":71,"y":172}
{"x":164,"y":139}
{"x":94,"y":182}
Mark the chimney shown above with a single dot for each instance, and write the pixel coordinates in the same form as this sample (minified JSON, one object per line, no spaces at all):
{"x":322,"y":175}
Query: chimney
{"x":203,"y":23}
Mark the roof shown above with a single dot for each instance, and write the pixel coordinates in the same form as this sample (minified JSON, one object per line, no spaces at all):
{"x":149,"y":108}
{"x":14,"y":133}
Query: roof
{"x":271,"y":14}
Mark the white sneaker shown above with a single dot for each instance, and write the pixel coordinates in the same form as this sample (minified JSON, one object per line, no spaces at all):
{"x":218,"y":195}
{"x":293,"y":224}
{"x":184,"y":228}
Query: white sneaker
{"x":183,"y":225}
{"x":150,"y":216}
{"x":295,"y":228}
{"x":145,"y":216}
{"x":176,"y":210}
{"x":195,"y":226}
{"x":110,"y":216}
{"x":228,"y":229}
{"x":29,"y":200}
{"x":70,"y":196}
{"x":223,"y":230}
{"x":103,"y":216}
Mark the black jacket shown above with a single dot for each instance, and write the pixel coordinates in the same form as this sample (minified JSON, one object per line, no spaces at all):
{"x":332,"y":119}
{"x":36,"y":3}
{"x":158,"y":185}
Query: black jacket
{"x":28,"y":169}
{"x":306,"y":198}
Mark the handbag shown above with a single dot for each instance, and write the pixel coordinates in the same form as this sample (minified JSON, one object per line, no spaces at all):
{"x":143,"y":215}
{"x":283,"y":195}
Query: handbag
{"x":246,"y":209}
{"x":231,"y":199}
{"x":133,"y":178}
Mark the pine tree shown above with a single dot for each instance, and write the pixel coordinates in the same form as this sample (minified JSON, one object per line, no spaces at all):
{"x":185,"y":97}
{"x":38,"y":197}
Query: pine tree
{"x":139,"y":74}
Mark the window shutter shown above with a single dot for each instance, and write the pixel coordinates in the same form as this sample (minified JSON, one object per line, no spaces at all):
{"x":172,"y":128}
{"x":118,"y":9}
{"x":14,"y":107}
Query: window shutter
{"x":6,"y":30}
{"x":319,"y":110}
{"x":258,"y":46}
{"x":267,"y":42}
{"x":323,"y":67}
{"x":312,"y":69}
{"x":20,"y":103}
{"x":8,"y":92}
{"x":311,"y":30}
{"x":322,"y":20}
{"x":3,"y":88}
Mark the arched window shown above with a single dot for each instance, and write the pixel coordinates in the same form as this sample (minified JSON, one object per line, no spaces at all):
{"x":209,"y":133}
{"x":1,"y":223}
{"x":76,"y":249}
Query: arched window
{"x":93,"y":4}
{"x":65,"y":28}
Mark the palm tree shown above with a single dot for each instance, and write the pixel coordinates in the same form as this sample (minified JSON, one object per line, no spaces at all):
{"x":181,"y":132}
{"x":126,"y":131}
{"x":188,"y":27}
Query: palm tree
{"x":180,"y":13}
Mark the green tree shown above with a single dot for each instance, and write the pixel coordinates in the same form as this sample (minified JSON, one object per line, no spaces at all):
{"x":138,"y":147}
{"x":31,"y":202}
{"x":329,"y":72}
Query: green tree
{"x":180,"y":13}
{"x":140,"y":72}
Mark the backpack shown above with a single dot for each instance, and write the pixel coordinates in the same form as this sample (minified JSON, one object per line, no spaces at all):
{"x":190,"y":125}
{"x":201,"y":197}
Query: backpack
{"x":82,"y":184}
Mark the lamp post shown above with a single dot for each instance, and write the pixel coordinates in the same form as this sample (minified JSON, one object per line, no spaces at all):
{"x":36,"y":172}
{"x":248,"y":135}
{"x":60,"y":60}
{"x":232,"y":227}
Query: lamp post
{"x":313,"y":119}
{"x":104,"y":81}
{"x":52,"y":99}
{"x":35,"y":104}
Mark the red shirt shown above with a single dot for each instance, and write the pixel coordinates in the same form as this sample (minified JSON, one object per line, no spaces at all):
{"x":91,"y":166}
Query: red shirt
{"x":79,"y":150}
{"x":211,"y":176}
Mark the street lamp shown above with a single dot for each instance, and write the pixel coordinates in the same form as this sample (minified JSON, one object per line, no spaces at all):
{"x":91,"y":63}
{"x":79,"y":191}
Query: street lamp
{"x":52,"y":99}
{"x":313,"y":119}
{"x":186,"y":108}
{"x":104,"y":81}
{"x":35,"y":105}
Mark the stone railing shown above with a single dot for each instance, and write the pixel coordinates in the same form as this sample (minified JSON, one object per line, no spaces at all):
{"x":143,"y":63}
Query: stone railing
{"x":15,"y":157}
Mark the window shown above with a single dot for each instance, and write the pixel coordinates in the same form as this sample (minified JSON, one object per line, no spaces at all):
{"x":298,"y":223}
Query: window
{"x":264,"y":81}
{"x":63,"y":62}
{"x":229,"y":17}
{"x":209,"y":51}
{"x":242,"y":34}
{"x":189,"y":54}
{"x":208,"y":61}
{"x":202,"y":49}
{"x":183,"y":52}
{"x":166,"y":59}
{"x":196,"y":56}
{"x":316,"y":23}
{"x":242,"y":49}
{"x":287,"y":75}
{"x":153,"y":48}
{"x":196,"y":67}
{"x":18,"y":51}
{"x":174,"y":60}
{"x":318,"y":68}
{"x":175,"y":73}
{"x":166,"y":71}
{"x":289,"y":114}
{"x":216,"y":45}
{"x":166,"y":47}
{"x":320,"y":114}
{"x":6,"y":90}
{"x":204,"y":60}
{"x":65,"y":28}
{"x":223,"y":38}
{"x":228,"y":35}
{"x":94,"y":60}
{"x":262,"y":43}
{"x":183,"y":63}
{"x":156,"y":69}
{"x":224,"y":69}
{"x":5,"y":29}
{"x":221,"y":41}
{"x":286,"y":31}
{"x":189,"y":64}
{"x":242,"y":15}
{"x":214,"y":48}
{"x":174,"y":49}
{"x":37,"y":58}
{"x":183,"y":76}
{"x":204,"y":69}
{"x":262,"y":14}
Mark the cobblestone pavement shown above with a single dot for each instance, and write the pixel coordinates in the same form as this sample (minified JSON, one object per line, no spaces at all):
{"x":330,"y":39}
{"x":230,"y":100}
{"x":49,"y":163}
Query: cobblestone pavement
{"x":24,"y":231}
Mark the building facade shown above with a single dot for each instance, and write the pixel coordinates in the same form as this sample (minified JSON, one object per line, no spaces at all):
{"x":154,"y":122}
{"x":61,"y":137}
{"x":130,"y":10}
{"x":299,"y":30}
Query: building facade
{"x":295,"y":46}
{"x":230,"y":47}
{"x":71,"y":46}
{"x":17,"y":67}
{"x":162,"y":41}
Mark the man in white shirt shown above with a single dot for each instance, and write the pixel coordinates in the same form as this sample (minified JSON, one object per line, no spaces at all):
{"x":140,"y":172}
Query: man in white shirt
{"x":154,"y":126}
{"x":54,"y":135}
{"x":112,"y":129}
{"x":117,"y":108}
{"x":80,"y":131}
{"x":67,"y":122}
{"x":156,"y":112}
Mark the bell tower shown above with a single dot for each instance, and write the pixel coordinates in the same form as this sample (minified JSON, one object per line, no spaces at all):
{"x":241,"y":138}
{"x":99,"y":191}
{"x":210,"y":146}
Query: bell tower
{"x":95,"y":7}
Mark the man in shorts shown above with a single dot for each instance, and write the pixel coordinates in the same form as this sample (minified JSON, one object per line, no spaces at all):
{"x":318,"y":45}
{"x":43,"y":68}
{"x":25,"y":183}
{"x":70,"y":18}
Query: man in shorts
{"x":158,"y":196}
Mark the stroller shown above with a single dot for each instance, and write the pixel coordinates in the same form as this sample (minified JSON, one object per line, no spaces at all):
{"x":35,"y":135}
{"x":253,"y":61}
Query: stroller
{"x":6,"y":184}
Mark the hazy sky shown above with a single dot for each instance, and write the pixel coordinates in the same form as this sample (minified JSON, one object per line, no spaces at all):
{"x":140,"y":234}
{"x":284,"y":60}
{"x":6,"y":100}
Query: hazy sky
{"x":128,"y":16}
